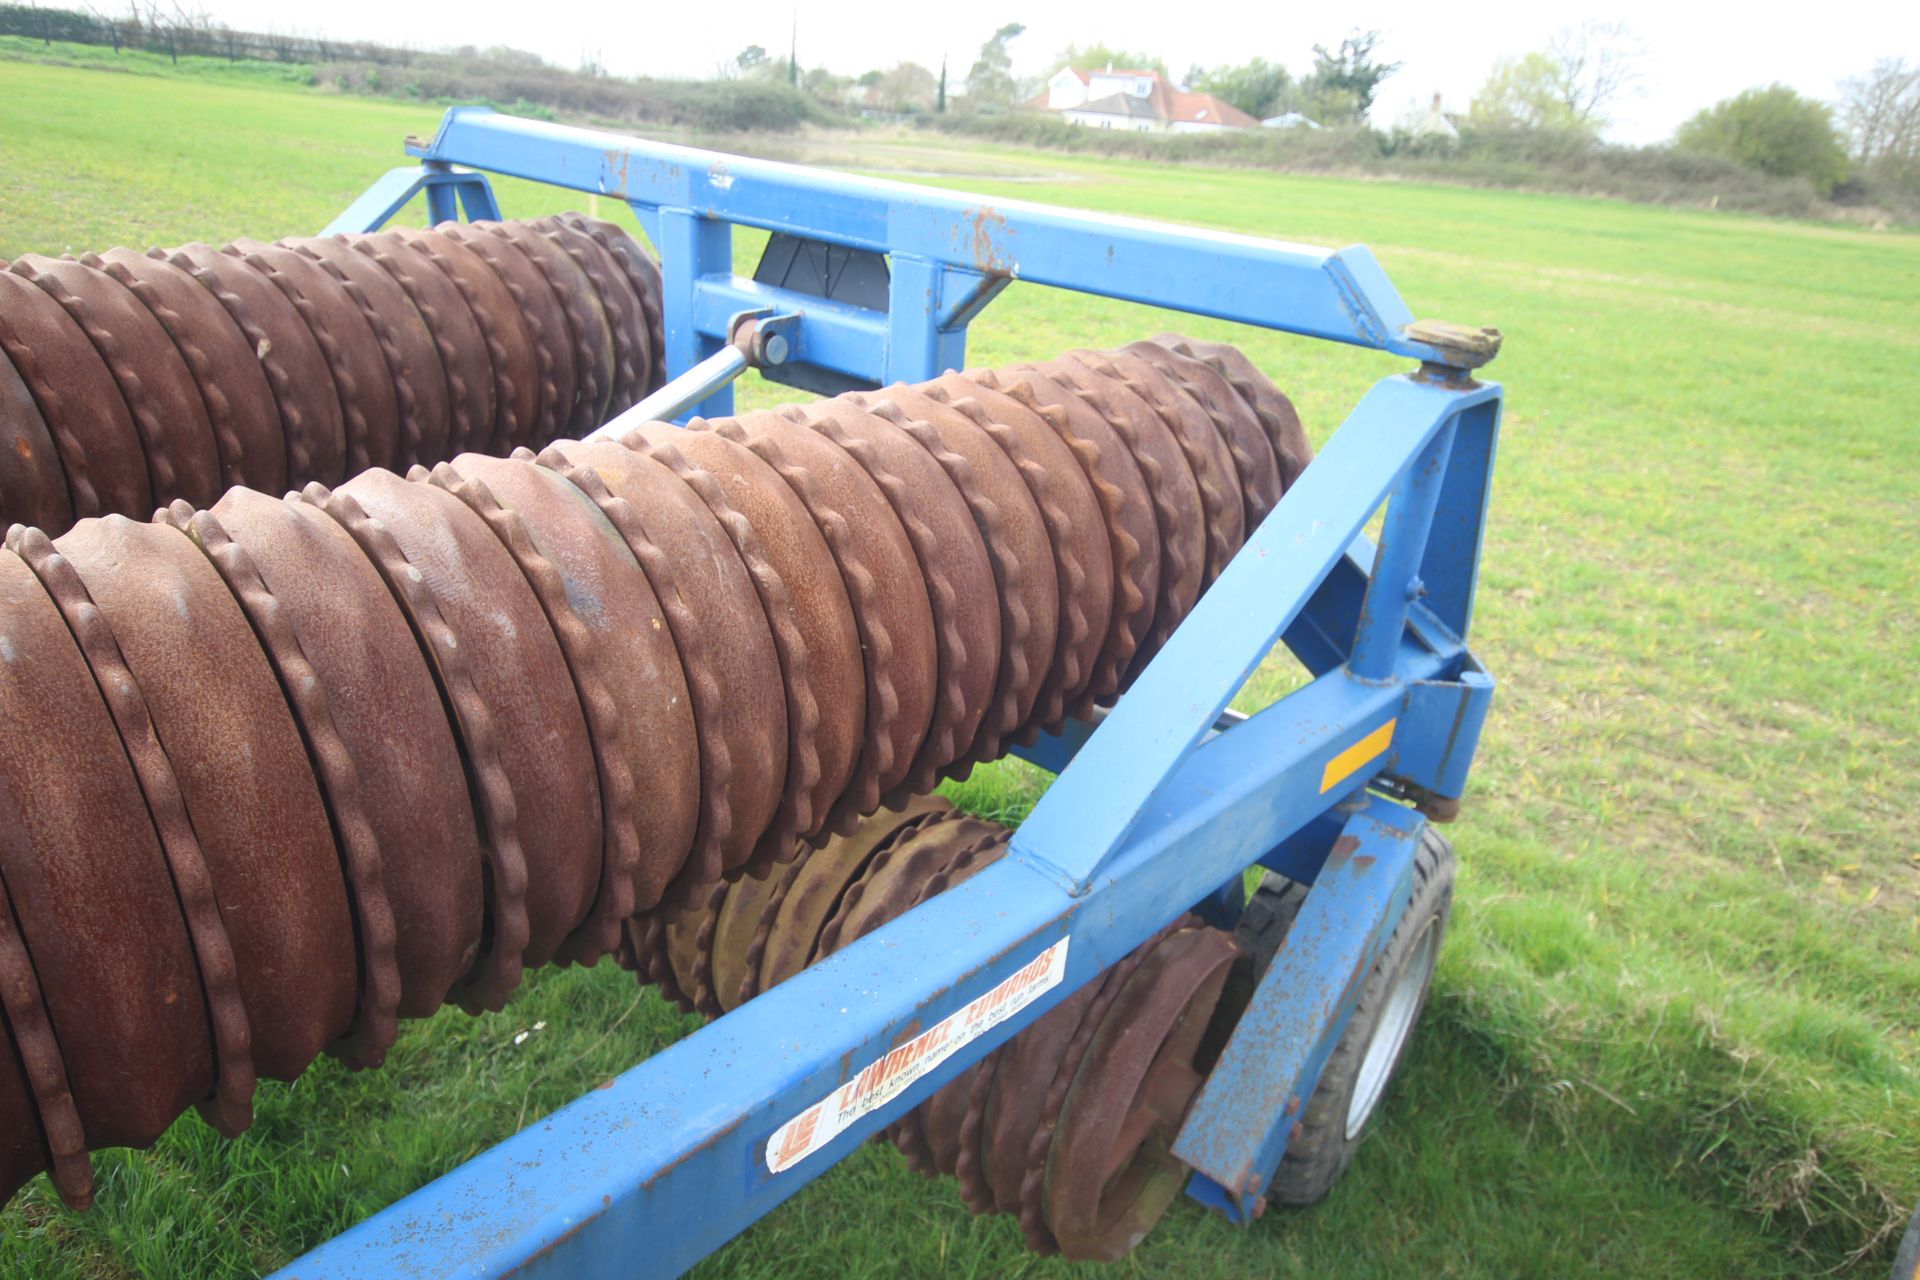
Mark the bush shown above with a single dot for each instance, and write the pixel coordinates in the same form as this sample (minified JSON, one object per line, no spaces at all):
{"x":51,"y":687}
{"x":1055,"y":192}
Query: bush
{"x":1774,"y":130}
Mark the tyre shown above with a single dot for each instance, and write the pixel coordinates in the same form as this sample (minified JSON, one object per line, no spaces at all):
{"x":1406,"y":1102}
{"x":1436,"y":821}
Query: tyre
{"x":1906,"y":1263}
{"x":1341,"y":1112}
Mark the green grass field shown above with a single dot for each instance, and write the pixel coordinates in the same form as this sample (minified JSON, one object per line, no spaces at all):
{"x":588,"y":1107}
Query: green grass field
{"x":1676,"y":1026}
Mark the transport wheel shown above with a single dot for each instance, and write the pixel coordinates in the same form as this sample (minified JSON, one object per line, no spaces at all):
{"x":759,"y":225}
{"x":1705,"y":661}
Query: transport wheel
{"x":1906,"y":1263}
{"x":1339,"y":1115}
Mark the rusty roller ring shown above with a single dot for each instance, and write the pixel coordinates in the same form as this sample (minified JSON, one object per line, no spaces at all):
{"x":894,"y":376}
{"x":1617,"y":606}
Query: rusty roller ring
{"x":896,"y":876}
{"x":625,"y":322}
{"x":546,"y":327}
{"x":303,"y":390}
{"x":1133,"y":537}
{"x":953,"y":565}
{"x":244,"y":776}
{"x":30,"y":1066}
{"x":1016,"y":540}
{"x":807,"y":608}
{"x":1110,"y":1172}
{"x":577,"y":319}
{"x":726,"y":648}
{"x":369,"y":408}
{"x":1269,"y":404}
{"x":509,"y":348}
{"x":747,"y":904}
{"x":517,"y":667}
{"x":154,"y":381}
{"x":814,"y":895}
{"x":754,"y":903}
{"x":406,"y":344}
{"x":239,"y":402}
{"x":1202,"y":386}
{"x":1170,"y":483}
{"x":92,"y":431}
{"x":628,"y":672}
{"x":457,"y":338}
{"x":496,"y":970}
{"x":884,"y":584}
{"x":1083,"y":561}
{"x":380,"y":695}
{"x":1032,"y":1209}
{"x":230,"y":1109}
{"x":89,"y":885}
{"x":366,"y":1041}
{"x":687,"y":929}
{"x":1017,"y":1094}
{"x":596,"y":364}
{"x":1222,"y":507}
{"x":643,"y":273}
{"x":33,"y":489}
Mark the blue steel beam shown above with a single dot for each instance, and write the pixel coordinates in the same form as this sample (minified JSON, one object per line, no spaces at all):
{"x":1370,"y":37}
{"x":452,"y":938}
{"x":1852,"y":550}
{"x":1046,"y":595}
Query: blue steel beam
{"x":1341,"y":295}
{"x":396,"y":187}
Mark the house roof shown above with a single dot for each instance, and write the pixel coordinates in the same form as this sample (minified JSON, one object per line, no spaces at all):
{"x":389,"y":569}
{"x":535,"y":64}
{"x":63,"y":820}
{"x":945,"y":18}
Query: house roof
{"x":1205,"y":108}
{"x":1121,"y":104}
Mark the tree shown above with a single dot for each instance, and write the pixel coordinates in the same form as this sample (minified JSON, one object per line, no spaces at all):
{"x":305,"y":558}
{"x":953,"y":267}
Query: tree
{"x":1344,"y":80}
{"x":1259,"y":88}
{"x":1774,"y":130}
{"x":1881,"y":111}
{"x":990,"y":82}
{"x":1098,"y":57}
{"x":940,"y":100}
{"x":1525,"y":93}
{"x":907,"y":87}
{"x":1598,"y":64}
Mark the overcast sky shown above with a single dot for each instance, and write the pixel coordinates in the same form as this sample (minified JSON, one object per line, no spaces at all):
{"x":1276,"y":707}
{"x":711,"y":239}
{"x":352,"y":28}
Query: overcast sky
{"x":1697,"y":53}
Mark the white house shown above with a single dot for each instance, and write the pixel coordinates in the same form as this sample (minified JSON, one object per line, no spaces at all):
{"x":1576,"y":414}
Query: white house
{"x":1140,"y":101}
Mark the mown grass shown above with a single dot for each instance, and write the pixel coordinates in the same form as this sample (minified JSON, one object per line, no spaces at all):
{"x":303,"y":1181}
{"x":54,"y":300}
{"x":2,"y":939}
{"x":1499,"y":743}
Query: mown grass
{"x":1675,"y":1026}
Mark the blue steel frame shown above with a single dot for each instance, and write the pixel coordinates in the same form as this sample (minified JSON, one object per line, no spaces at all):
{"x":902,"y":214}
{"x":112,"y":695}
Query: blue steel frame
{"x":1162,"y":805}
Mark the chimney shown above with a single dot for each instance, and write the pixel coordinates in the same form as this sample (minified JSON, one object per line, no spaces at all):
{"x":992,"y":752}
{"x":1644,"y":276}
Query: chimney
{"x":1436,"y":104}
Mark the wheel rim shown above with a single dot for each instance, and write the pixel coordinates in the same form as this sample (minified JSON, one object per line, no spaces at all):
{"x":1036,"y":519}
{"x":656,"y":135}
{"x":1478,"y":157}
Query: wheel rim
{"x":1391,"y":1032}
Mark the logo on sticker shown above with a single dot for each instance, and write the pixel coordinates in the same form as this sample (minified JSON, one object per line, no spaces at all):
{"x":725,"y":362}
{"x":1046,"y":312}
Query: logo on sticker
{"x":884,"y":1079}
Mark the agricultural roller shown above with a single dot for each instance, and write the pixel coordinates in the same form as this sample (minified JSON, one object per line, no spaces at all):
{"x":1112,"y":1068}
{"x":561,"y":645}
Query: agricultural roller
{"x":523,"y":671}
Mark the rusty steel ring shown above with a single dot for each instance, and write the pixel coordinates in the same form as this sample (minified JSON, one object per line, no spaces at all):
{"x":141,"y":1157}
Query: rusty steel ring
{"x":626,"y":668}
{"x":296,"y":368}
{"x":807,"y":608}
{"x":33,"y":489}
{"x":1111,"y":1172}
{"x":625,"y":323}
{"x":94,"y":435}
{"x":406,"y":344}
{"x":1016,"y":540}
{"x":1259,"y":471}
{"x":727,"y":649}
{"x":244,"y":775}
{"x":92,"y":895}
{"x":238,"y":401}
{"x":366,"y":1041}
{"x":953,"y":565}
{"x":1083,"y":561}
{"x":457,"y":340}
{"x":1223,"y":510}
{"x":369,"y":407}
{"x":1269,"y":404}
{"x":885,"y":587}
{"x":1170,"y":486}
{"x":643,"y":273}
{"x":1133,"y":536}
{"x":519,"y":670}
{"x":509,"y":348}
{"x":584,"y":383}
{"x":546,"y":327}
{"x":408,"y":779}
{"x":159,"y":390}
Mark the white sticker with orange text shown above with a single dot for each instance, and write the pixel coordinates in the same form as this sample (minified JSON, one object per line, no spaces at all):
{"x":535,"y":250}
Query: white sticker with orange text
{"x":883,"y":1080}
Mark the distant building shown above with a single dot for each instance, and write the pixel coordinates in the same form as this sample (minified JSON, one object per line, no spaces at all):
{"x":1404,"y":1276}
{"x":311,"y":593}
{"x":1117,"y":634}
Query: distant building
{"x":1436,"y":123}
{"x":1291,"y":120}
{"x":1141,"y":101}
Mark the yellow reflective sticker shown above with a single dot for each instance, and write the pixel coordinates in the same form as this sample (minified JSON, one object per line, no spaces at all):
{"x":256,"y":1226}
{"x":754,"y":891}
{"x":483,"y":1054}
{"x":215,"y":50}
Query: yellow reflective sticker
{"x":1344,"y":765}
